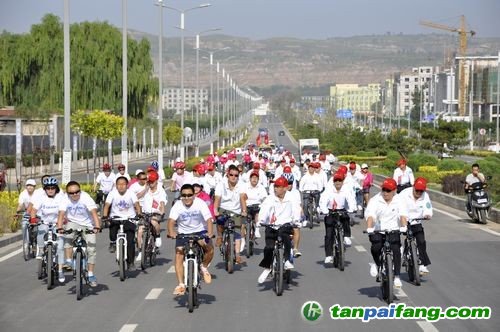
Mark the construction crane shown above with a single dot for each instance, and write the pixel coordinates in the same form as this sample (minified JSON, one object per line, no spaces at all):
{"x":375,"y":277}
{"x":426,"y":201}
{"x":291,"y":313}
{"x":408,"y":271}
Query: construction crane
{"x":463,"y":33}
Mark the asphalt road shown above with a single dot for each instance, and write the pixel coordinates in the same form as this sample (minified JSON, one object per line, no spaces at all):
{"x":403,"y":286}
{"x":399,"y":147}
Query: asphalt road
{"x":464,"y":268}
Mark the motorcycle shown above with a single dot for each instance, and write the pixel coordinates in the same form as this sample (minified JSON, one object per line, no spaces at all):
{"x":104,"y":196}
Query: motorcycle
{"x":479,"y":201}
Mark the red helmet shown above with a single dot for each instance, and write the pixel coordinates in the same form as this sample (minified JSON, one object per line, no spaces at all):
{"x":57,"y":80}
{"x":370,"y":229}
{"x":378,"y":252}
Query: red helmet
{"x":352,"y":165}
{"x":401,"y":162}
{"x":256,"y":165}
{"x":106,"y":167}
{"x":180,"y":165}
{"x":339,"y":176}
{"x":287,"y":169}
{"x":281,"y":182}
{"x":120,"y":166}
{"x":153,"y":176}
{"x":343,"y":169}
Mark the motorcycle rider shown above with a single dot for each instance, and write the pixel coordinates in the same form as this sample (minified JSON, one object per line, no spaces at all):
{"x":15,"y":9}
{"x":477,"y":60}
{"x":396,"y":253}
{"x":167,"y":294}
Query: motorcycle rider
{"x":472,"y":178}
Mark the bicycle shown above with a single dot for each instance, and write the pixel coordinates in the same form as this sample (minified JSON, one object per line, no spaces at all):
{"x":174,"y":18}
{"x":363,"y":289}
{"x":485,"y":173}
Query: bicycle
{"x":280,"y":275}
{"x":121,"y":244}
{"x":338,"y":246}
{"x":29,"y":238}
{"x":312,"y":204}
{"x":148,"y":247}
{"x":411,"y":260}
{"x":101,"y":197}
{"x":250,"y":229}
{"x":193,"y":257}
{"x":80,"y":271}
{"x":385,"y":271}
{"x":47,"y":266}
{"x":227,"y":247}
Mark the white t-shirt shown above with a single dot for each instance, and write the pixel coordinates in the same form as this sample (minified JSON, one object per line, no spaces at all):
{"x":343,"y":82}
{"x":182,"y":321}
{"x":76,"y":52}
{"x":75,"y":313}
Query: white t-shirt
{"x":152,"y":200}
{"x":79,"y":211}
{"x":25,"y":199}
{"x":255,"y":195}
{"x":229,"y":199}
{"x":48,"y":208}
{"x":179,"y":180}
{"x":385,"y":216}
{"x":122,"y":205}
{"x":275,"y":211}
{"x":416,"y":208}
{"x":106,"y":183}
{"x":125,"y":175}
{"x":403,"y":177}
{"x":137,"y":188}
{"x":191,"y":219}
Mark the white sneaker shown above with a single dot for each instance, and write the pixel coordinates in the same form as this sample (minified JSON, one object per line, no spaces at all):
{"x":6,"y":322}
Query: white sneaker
{"x":139,"y":256}
{"x":305,"y":223}
{"x":397,"y":282}
{"x":242,"y":245}
{"x":373,"y":269}
{"x":328,"y":259}
{"x":263,"y":276}
{"x":257,"y":233}
{"x":423,"y":270}
{"x":39,"y":253}
{"x":347,"y":241}
{"x":289,"y":265}
{"x":158,"y":242}
{"x":360,"y":207}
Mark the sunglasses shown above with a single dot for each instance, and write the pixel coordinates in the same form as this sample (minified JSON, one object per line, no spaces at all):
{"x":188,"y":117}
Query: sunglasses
{"x":50,"y":188}
{"x":235,"y":175}
{"x":74,"y":193}
{"x":143,"y":179}
{"x":419,"y":191}
{"x":386,"y":190}
{"x":187,"y":195}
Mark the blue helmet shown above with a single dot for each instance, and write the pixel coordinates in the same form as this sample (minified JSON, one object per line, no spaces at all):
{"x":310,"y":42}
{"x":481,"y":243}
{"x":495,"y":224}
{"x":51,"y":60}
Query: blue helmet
{"x":50,"y":181}
{"x":155,"y":165}
{"x":289,"y":177}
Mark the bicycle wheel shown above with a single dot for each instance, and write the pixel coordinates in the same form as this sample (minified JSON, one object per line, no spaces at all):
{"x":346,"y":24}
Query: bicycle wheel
{"x":248,"y":238}
{"x":121,"y":260}
{"x":49,"y":267}
{"x":33,"y":245}
{"x":26,"y":244}
{"x":340,"y":249}
{"x":190,"y":287}
{"x":145,"y":244}
{"x":230,"y":253}
{"x":78,"y":275}
{"x":414,"y":262}
{"x":389,"y":279}
{"x":278,"y":272}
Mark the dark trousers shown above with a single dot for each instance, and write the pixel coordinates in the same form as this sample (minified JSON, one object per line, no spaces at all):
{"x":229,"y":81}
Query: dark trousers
{"x":418,"y":232}
{"x":330,"y":232}
{"x":378,"y":240}
{"x":305,"y":202}
{"x":129,"y":229}
{"x":271,"y":236}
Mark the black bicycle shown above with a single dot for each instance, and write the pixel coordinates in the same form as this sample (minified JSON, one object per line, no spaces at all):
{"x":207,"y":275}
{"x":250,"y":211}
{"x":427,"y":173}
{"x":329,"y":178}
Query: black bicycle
{"x":411,"y":260}
{"x":47,"y":266}
{"x":385,"y":271}
{"x":278,"y":271}
{"x":80,"y":271}
{"x":148,"y":247}
{"x":29,"y":238}
{"x":193,"y":257}
{"x":252,"y":210}
{"x":101,"y":199}
{"x":121,"y":243}
{"x":338,"y":244}
{"x":312,"y":204}
{"x":227,"y":247}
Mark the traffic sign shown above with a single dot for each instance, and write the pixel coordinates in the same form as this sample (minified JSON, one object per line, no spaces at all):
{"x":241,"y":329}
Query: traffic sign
{"x":188,"y":132}
{"x":482,"y":131}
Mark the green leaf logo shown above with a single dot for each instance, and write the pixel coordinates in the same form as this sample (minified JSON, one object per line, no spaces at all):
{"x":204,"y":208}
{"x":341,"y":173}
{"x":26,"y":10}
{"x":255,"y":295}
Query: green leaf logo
{"x":312,"y":311}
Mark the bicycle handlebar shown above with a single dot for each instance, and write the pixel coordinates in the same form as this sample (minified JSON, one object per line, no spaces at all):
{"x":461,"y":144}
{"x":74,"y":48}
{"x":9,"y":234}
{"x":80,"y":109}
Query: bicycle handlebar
{"x":384,"y":231}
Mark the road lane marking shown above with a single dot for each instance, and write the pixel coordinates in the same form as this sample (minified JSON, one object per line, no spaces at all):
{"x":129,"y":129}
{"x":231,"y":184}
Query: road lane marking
{"x":12,"y":254}
{"x":171,"y":269}
{"x":427,"y":326}
{"x":399,"y":292}
{"x":360,"y":248}
{"x":128,"y":328}
{"x":154,"y":294}
{"x":487,"y":230}
{"x":454,"y":216}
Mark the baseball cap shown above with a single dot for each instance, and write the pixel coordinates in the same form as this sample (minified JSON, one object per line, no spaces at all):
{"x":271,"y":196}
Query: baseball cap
{"x":420,"y":184}
{"x":153,"y":176}
{"x":343,"y":169}
{"x":138,"y":171}
{"x":254,"y":174}
{"x":31,"y":182}
{"x":287,"y":169}
{"x":256,"y":165}
{"x":364,"y":166}
{"x":352,"y":165}
{"x":401,"y":162}
{"x":281,"y":182}
{"x":210,"y":167}
{"x":390,"y":184}
{"x":292,"y":161}
{"x":338,"y":176}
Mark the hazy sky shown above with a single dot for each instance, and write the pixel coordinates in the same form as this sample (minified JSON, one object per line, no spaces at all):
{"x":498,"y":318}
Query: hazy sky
{"x":258,"y":19}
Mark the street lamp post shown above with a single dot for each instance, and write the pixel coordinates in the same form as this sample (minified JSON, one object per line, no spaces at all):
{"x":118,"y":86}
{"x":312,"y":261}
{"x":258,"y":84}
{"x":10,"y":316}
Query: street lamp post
{"x":66,"y":174}
{"x":498,"y":100}
{"x":160,"y":87}
{"x":125,"y":79}
{"x":182,"y":12}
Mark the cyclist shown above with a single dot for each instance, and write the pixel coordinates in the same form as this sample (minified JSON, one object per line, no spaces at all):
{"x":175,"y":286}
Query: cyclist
{"x":47,"y":208}
{"x":155,"y":201}
{"x":473,"y":177}
{"x":192,"y":217}
{"x":25,"y":200}
{"x":310,"y":181}
{"x":228,"y":198}
{"x":155,"y":166}
{"x":135,"y":179}
{"x":121,"y":172}
{"x":354,"y":179}
{"x":122,"y":203}
{"x":140,"y":188}
{"x":366,"y":184}
{"x":256,"y":168}
{"x":418,"y":205}
{"x":81,"y":211}
{"x":201,"y":194}
{"x":212,"y":178}
{"x":253,"y":193}
{"x":295,"y":194}
{"x":278,"y":209}
{"x":297,"y":174}
{"x":338,"y":197}
{"x":385,"y":211}
{"x":179,"y":178}
{"x":106,"y":181}
{"x":403,"y":175}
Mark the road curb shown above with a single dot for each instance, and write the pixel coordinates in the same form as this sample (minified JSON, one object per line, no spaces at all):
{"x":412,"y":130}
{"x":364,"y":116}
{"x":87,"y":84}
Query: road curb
{"x":7,"y":239}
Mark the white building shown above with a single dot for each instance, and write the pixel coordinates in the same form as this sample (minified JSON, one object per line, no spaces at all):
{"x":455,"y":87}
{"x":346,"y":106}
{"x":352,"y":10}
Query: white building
{"x":420,"y":78}
{"x":172,"y":99}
